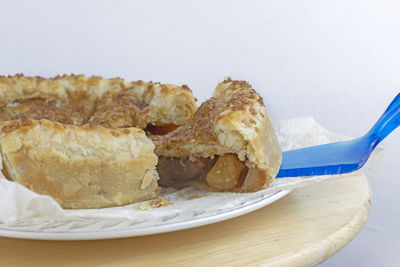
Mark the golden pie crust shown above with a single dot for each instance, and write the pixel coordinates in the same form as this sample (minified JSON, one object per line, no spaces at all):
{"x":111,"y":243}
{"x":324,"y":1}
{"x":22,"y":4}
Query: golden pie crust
{"x":91,"y":142}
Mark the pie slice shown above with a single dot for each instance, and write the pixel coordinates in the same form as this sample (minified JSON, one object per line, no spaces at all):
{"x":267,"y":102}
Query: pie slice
{"x":230,"y":145}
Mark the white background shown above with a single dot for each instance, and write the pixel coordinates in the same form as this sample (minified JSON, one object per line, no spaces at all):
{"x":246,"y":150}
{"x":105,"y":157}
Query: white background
{"x":338,"y":61}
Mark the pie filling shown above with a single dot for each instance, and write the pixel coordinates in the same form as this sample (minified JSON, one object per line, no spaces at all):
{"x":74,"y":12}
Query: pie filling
{"x":225,"y":173}
{"x":177,"y":172}
{"x":152,"y":129}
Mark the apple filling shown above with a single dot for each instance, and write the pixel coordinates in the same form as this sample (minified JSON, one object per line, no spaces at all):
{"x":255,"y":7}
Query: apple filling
{"x":225,"y":173}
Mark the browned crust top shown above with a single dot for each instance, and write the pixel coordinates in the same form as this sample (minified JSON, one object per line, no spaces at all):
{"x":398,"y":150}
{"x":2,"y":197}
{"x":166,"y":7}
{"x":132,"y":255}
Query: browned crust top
{"x":77,"y":100}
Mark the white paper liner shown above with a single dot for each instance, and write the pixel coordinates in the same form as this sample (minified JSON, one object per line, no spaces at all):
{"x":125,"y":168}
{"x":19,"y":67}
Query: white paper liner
{"x":19,"y":203}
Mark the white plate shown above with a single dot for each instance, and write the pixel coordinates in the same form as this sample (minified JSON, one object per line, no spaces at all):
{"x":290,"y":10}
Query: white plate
{"x":102,"y":228}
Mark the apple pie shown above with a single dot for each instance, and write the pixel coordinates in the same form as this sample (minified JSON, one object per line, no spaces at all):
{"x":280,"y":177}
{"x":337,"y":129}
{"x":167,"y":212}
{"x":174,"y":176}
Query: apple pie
{"x":91,"y":142}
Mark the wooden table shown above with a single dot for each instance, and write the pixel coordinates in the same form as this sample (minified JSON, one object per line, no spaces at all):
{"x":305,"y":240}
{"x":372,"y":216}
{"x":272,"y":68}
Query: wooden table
{"x":304,"y":228}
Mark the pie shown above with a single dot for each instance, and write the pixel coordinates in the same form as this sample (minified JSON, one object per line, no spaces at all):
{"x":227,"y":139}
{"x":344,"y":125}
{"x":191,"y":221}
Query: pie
{"x":91,"y":142}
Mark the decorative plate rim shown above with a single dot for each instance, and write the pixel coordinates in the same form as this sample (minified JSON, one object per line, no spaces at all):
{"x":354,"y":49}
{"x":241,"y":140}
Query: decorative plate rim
{"x":262,"y":201}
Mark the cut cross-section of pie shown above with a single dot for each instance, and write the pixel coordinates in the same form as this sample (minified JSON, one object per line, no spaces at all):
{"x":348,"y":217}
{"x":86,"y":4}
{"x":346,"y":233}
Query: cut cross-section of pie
{"x":94,"y":142}
{"x":230,"y":145}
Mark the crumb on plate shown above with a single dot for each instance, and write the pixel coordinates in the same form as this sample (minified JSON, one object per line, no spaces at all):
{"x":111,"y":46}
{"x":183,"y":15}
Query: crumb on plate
{"x":154,"y":203}
{"x":196,"y":196}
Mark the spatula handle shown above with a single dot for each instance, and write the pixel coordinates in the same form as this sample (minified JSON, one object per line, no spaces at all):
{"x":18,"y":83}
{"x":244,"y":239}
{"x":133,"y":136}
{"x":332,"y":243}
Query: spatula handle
{"x":389,"y":121}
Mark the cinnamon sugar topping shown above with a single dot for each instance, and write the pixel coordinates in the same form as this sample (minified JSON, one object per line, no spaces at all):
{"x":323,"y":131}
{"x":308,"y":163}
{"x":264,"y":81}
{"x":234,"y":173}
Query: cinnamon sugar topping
{"x":200,"y":129}
{"x":120,"y":110}
{"x":37,"y":109}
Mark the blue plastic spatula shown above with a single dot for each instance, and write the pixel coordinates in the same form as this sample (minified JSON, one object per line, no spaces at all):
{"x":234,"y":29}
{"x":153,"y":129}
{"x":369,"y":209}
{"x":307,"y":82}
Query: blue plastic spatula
{"x":340,"y":157}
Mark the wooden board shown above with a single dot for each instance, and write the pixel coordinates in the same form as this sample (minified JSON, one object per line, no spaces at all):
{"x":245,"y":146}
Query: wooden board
{"x":304,"y":228}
